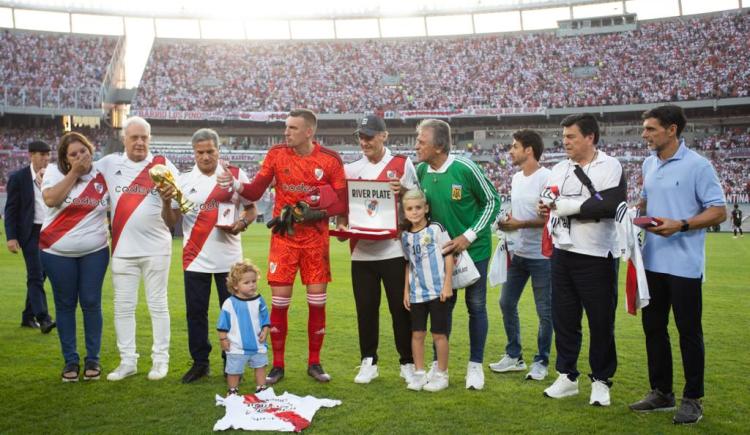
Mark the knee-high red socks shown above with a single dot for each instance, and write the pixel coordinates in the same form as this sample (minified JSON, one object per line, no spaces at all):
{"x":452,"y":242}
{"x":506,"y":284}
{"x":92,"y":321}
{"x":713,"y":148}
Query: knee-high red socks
{"x":316,"y":326}
{"x":279,"y":326}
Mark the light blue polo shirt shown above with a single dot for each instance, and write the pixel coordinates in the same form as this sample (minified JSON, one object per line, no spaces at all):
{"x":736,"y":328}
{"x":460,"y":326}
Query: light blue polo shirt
{"x":679,"y":188}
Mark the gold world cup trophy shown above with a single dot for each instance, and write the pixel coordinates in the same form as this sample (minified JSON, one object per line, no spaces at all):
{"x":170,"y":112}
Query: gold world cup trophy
{"x":161,"y":175}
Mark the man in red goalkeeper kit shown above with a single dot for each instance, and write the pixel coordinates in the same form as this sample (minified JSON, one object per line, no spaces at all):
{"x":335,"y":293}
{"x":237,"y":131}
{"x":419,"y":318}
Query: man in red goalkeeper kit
{"x":310,"y":188}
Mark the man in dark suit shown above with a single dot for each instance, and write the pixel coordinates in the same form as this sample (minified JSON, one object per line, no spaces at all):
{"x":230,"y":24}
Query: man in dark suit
{"x":24,"y":215}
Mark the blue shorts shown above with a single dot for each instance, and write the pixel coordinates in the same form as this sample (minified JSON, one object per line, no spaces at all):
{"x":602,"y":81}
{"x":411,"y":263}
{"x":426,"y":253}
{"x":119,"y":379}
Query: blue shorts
{"x":236,"y":363}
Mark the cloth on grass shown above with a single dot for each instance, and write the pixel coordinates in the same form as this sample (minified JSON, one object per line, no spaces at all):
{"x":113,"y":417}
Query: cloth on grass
{"x":269,"y":412}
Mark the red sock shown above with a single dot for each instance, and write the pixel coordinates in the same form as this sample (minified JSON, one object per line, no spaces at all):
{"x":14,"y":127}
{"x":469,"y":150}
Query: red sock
{"x":316,"y":326}
{"x":279,"y":326}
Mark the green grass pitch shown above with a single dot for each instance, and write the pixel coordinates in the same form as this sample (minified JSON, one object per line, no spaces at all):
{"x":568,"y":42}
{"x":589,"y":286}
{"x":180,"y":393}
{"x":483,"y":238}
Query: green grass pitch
{"x":36,"y":401}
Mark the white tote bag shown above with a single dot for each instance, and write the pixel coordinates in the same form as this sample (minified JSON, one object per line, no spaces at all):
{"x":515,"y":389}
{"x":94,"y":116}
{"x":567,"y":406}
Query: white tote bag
{"x":465,"y":273}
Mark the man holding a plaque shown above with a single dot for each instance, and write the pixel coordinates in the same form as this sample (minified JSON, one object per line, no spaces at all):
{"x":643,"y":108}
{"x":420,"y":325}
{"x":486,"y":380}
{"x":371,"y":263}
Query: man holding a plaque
{"x":462,"y":198}
{"x":310,"y":187}
{"x":376,"y":261}
{"x":211,"y":242}
{"x":141,"y":247}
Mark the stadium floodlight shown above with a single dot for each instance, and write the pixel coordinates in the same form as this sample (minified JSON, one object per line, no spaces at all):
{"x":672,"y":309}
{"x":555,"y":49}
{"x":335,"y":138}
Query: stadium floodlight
{"x":450,"y":25}
{"x":6,"y":18}
{"x":357,"y":28}
{"x":177,"y":28}
{"x":97,"y":24}
{"x":537,"y":19}
{"x":312,"y":29}
{"x":222,"y":29}
{"x":701,"y":6}
{"x":402,"y":27}
{"x":598,"y":10}
{"x":42,"y":20}
{"x":650,"y":9}
{"x":267,"y":29}
{"x":497,"y":22}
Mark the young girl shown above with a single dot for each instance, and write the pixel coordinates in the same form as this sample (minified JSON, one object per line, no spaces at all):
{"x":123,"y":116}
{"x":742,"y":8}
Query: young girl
{"x":426,"y":289}
{"x":243,"y":326}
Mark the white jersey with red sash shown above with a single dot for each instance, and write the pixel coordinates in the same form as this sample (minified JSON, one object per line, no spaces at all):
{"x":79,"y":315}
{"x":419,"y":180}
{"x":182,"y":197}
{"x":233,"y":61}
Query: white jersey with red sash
{"x":138,"y":229}
{"x":206,"y":248}
{"x":389,"y":167}
{"x":78,"y":226}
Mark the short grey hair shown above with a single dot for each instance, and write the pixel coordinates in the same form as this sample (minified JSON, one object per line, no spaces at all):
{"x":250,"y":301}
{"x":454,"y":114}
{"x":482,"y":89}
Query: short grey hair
{"x":135,"y":120}
{"x":205,"y":134}
{"x":441,"y":133}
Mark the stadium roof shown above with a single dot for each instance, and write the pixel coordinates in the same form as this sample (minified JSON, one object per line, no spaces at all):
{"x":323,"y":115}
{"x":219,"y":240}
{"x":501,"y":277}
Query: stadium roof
{"x":331,"y":19}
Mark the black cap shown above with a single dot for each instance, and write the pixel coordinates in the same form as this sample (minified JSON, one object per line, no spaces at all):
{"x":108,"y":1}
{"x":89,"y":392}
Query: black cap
{"x":39,"y":147}
{"x":371,"y":125}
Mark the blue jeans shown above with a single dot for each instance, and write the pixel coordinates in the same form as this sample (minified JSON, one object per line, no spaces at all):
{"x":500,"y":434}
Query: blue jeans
{"x":476,"y":304}
{"x":518,"y":274}
{"x":77,"y":279}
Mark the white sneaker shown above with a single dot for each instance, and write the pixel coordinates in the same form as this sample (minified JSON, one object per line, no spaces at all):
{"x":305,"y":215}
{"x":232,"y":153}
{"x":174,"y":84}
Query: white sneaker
{"x":418,"y":381}
{"x":407,"y":372}
{"x":121,"y":372}
{"x":563,"y":387}
{"x":508,"y":364}
{"x":474,"y":376}
{"x":367,"y":372}
{"x":538,"y":371}
{"x":438,"y":382}
{"x":158,"y":371}
{"x":432,"y":370}
{"x":599,"y":394}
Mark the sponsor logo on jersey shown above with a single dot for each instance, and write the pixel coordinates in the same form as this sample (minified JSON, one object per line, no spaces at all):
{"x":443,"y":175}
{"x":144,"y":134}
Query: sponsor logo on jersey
{"x":456,"y":191}
{"x":304,"y":188}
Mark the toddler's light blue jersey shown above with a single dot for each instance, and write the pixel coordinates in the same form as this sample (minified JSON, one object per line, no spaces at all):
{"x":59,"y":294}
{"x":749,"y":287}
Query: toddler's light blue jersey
{"x":242,"y":320}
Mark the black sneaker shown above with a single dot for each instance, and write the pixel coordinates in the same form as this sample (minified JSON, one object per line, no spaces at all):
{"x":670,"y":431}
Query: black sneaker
{"x":690,"y":411}
{"x":29,"y":323}
{"x":275,"y":375}
{"x":233,"y":391}
{"x":196,"y":372}
{"x":317,"y":372}
{"x":47,"y":325}
{"x":655,"y":400}
{"x":260,"y":388}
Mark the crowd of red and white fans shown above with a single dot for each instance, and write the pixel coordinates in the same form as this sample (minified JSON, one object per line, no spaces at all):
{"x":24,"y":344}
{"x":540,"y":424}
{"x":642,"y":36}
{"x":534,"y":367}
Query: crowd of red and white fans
{"x":671,"y":60}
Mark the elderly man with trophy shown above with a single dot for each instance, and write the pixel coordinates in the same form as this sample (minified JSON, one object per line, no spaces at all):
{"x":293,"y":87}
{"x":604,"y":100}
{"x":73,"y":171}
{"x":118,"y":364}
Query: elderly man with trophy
{"x":212,"y":219}
{"x":141,"y":246}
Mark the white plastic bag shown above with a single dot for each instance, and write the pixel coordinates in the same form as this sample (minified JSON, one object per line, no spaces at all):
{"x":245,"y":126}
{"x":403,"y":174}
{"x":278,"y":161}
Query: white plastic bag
{"x":465,"y":273}
{"x":498,"y":272}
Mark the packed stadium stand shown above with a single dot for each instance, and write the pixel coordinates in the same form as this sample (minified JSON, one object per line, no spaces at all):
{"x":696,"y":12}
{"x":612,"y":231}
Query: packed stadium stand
{"x":698,"y":58}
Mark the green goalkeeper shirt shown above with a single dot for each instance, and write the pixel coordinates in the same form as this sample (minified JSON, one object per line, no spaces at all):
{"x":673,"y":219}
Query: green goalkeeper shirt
{"x":462,"y":198}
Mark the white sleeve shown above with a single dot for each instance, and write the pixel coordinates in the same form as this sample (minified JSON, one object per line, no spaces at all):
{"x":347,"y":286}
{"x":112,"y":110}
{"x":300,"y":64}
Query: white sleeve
{"x":409,"y":179}
{"x":608,"y":176}
{"x":51,"y":177}
{"x":236,"y":198}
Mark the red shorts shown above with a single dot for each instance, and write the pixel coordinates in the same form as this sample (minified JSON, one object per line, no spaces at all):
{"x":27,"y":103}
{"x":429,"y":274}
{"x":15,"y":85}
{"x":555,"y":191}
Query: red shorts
{"x":312,"y":261}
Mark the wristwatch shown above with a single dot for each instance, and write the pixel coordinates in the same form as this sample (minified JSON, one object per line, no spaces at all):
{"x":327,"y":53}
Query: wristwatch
{"x":244,"y":221}
{"x":685,"y":225}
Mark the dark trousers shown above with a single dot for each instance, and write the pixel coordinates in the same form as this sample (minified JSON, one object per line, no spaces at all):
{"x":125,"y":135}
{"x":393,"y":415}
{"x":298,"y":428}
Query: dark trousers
{"x":583,"y":282}
{"x":684,"y":296}
{"x":36,"y":298}
{"x":366,"y":279}
{"x":197,"y":297}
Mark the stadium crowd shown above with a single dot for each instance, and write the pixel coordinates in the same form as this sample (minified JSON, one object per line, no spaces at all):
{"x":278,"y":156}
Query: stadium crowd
{"x":516,"y":71}
{"x":51,"y":69}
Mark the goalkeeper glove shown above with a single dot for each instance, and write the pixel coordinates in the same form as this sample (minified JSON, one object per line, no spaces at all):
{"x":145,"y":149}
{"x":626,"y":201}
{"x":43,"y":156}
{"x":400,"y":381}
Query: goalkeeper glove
{"x":302,"y":212}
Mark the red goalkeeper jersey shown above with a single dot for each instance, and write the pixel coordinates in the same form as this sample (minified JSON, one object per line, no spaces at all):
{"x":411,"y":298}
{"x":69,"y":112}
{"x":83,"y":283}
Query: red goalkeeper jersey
{"x":296,"y":176}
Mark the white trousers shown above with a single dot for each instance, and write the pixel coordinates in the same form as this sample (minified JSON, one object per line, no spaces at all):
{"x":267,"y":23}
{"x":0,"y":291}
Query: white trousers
{"x":126,"y":277}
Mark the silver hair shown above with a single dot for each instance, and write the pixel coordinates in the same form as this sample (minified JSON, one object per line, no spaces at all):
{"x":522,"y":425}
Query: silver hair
{"x":205,"y":134}
{"x":135,"y":120}
{"x":441,"y":133}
